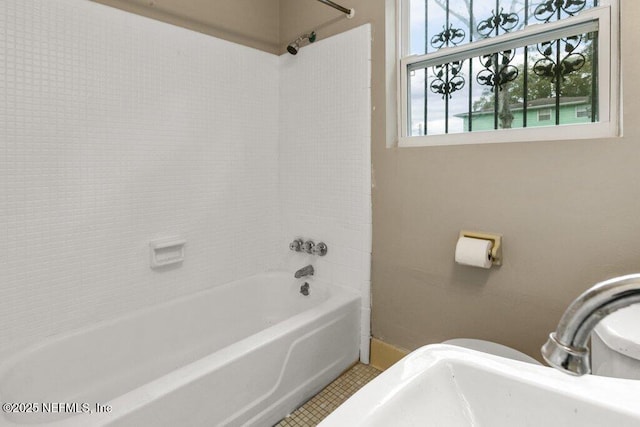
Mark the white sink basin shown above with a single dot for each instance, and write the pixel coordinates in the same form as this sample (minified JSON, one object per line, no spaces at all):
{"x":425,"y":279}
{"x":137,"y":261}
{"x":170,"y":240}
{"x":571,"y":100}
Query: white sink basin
{"x":447,"y":386}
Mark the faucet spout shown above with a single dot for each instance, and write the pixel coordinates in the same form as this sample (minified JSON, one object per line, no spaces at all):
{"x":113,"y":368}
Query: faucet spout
{"x":566,"y":349}
{"x":304,"y":271}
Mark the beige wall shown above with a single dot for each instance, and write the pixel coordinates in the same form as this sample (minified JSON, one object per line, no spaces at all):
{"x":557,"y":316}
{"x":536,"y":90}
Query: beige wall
{"x":569,"y":211}
{"x":252,"y":23}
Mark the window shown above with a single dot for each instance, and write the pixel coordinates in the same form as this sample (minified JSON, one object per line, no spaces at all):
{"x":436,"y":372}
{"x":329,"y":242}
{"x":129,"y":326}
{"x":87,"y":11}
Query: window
{"x":582,"y":111}
{"x":544,"y":114}
{"x":481,"y":71}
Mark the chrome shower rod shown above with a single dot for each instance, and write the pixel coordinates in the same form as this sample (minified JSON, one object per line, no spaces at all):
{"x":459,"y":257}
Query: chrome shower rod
{"x":350,"y":12}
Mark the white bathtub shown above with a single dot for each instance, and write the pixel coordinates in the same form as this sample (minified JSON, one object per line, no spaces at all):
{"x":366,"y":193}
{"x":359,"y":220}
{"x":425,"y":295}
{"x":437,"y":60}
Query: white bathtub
{"x":246,"y":353}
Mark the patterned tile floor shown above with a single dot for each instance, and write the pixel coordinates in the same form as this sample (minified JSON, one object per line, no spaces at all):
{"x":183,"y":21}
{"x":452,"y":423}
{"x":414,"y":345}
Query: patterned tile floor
{"x":322,"y":404}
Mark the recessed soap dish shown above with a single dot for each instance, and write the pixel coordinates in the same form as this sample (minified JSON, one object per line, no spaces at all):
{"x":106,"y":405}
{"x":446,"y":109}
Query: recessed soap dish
{"x":166,"y":251}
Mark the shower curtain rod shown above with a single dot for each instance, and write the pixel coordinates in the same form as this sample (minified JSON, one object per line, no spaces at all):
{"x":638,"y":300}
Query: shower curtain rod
{"x":350,"y":12}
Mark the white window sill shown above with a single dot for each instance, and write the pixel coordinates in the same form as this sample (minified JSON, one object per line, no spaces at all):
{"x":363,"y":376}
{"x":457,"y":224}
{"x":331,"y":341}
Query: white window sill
{"x":598,"y":130}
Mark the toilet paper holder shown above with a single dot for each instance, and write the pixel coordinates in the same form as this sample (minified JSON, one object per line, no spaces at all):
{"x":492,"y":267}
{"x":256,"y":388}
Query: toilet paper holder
{"x":496,"y":246}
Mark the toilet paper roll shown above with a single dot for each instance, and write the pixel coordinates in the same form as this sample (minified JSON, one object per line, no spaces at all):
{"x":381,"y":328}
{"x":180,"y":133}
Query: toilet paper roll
{"x":474,"y":252}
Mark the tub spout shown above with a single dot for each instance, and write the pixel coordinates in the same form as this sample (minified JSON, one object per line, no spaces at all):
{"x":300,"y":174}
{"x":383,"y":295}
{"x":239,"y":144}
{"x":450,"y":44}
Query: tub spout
{"x":566,"y":349}
{"x":304,"y":271}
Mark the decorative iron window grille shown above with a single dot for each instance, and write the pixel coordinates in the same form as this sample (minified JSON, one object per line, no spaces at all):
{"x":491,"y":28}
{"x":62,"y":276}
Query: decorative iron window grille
{"x":478,"y":65}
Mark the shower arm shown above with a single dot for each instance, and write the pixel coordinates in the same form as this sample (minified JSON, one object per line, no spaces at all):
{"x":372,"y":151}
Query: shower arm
{"x":349,"y":12}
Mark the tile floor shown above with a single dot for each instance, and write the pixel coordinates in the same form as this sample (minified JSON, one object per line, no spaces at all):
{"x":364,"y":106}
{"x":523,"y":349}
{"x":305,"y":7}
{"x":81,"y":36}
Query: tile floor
{"x":322,"y":404}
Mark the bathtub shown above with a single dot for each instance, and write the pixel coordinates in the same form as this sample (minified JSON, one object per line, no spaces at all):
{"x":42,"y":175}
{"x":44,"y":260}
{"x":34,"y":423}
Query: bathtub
{"x":245,"y":353}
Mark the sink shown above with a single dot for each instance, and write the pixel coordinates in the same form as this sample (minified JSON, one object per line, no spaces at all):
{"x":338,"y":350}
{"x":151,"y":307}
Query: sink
{"x":448,"y":386}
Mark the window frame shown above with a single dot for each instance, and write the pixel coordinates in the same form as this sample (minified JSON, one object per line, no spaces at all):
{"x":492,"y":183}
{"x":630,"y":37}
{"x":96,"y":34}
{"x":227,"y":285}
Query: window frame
{"x":609,"y":98}
{"x":546,"y":109}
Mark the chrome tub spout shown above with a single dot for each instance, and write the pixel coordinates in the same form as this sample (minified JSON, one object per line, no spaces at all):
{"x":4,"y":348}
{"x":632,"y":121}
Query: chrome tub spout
{"x":304,"y":271}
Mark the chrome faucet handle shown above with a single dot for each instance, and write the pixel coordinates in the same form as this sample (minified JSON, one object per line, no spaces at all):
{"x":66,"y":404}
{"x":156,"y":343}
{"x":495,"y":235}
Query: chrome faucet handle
{"x":296,"y":245}
{"x":308,"y":246}
{"x":320,"y":249}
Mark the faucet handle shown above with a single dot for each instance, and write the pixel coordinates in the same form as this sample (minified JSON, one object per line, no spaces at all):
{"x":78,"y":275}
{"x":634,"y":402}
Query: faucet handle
{"x":320,"y":249}
{"x":296,"y":245}
{"x":308,"y":246}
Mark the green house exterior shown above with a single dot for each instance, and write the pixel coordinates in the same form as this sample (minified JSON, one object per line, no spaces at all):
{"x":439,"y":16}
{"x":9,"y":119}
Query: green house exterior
{"x":541,"y":112}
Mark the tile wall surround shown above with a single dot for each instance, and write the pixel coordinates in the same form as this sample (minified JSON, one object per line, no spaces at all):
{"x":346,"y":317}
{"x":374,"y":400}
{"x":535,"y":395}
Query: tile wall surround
{"x":116,"y":130}
{"x":325,"y":160}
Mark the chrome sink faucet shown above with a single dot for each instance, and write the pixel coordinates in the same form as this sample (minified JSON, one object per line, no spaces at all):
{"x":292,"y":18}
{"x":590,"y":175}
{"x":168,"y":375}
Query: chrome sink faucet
{"x":304,"y":271}
{"x":566,"y":349}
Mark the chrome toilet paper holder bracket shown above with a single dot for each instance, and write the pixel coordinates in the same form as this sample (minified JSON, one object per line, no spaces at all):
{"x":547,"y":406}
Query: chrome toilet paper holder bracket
{"x":496,"y":243}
